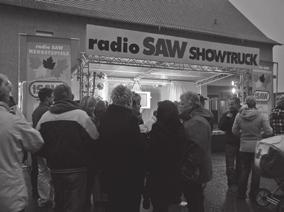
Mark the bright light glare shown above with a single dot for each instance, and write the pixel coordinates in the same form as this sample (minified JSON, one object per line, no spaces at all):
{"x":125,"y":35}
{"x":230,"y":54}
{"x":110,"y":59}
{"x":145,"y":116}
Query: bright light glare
{"x":183,"y":203}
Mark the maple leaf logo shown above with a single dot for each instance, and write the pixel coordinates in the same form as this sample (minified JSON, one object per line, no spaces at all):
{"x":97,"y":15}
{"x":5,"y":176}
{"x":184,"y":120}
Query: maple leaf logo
{"x":48,"y":63}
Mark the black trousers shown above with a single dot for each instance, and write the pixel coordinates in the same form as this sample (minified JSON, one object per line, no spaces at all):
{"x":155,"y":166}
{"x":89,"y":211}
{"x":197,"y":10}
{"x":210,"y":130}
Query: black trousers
{"x":232,"y":164}
{"x":194,"y":196}
{"x":70,"y":191}
{"x":247,"y":167}
{"x":34,"y":175}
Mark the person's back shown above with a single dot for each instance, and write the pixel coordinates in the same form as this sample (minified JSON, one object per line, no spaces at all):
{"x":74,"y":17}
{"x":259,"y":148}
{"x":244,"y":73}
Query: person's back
{"x":68,"y":132}
{"x":119,"y":131}
{"x":251,"y":123}
{"x":167,"y":139}
{"x":122,"y":153}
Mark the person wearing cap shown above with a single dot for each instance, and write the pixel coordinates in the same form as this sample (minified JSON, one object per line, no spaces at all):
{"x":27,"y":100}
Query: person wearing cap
{"x":16,"y":137}
{"x":68,"y":133}
{"x":249,"y":125}
{"x":232,"y":142}
{"x":277,"y":117}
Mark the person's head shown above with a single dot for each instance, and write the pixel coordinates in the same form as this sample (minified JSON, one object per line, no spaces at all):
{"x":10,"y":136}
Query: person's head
{"x":202,"y":100}
{"x":88,"y":104}
{"x":136,"y":101}
{"x":121,"y":95}
{"x":62,"y":92}
{"x":167,"y":113}
{"x":188,"y":101}
{"x":155,"y":113}
{"x":234,"y":104}
{"x":251,"y":102}
{"x":5,"y":88}
{"x":100,"y":108}
{"x":45,"y":95}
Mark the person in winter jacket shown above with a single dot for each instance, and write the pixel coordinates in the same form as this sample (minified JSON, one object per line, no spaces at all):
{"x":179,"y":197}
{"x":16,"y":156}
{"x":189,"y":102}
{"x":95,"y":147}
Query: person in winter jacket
{"x":232,"y":142}
{"x":167,"y":139}
{"x":40,"y":174}
{"x":197,"y":127}
{"x":122,"y":153}
{"x":249,"y":124}
{"x":16,"y":136}
{"x":68,"y":133}
{"x":277,"y":117}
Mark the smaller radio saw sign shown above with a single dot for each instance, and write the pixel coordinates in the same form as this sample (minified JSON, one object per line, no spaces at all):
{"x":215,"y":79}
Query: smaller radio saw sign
{"x":35,"y":86}
{"x":262,"y":96}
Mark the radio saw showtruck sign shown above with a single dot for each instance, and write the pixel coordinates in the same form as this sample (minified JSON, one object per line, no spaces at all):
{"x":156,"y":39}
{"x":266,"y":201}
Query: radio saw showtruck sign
{"x":114,"y":42}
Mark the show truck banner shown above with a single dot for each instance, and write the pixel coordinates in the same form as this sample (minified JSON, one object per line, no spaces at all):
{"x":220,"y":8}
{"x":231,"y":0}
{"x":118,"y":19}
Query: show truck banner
{"x":48,"y":60}
{"x":114,"y":42}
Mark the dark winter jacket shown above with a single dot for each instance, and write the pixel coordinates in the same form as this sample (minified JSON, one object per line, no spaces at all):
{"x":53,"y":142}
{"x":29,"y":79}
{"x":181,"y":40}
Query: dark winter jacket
{"x":165,"y":154}
{"x":122,"y":152}
{"x":198,"y":130}
{"x":226,"y":123}
{"x":38,"y":112}
{"x":68,"y":133}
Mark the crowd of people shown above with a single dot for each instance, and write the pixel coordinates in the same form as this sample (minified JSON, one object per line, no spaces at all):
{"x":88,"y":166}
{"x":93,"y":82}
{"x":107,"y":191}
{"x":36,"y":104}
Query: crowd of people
{"x":244,"y":127}
{"x":73,"y":144}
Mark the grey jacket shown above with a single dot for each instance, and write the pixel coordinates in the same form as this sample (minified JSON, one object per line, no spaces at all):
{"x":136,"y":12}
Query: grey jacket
{"x":249,"y":125}
{"x":198,"y":129}
{"x":16,"y":135}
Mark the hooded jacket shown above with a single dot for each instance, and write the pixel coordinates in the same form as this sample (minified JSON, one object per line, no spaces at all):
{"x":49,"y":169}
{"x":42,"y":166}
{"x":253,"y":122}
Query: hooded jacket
{"x":197,"y":128}
{"x":249,"y":124}
{"x":16,"y":135}
{"x":68,"y":133}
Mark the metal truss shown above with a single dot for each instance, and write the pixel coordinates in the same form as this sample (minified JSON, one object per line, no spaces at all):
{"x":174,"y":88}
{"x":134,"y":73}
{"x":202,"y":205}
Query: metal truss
{"x":158,"y":64}
{"x":212,"y":79}
{"x":87,"y":80}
